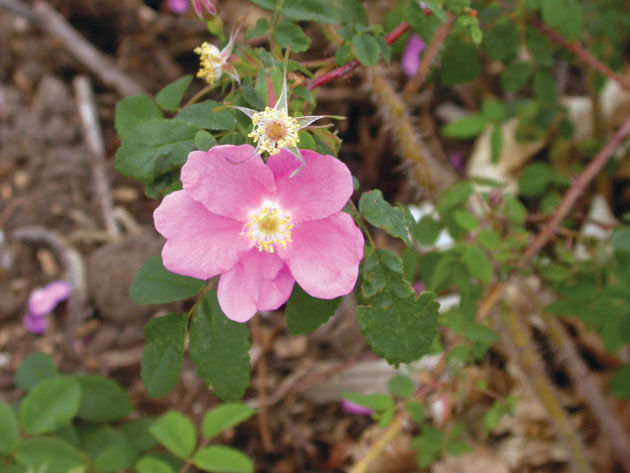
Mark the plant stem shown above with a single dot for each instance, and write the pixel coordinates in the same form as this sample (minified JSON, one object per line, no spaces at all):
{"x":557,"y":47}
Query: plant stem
{"x":359,"y":220}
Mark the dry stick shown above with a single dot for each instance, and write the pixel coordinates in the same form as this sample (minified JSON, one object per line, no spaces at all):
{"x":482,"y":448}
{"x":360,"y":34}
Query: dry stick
{"x":580,"y":52}
{"x":263,"y":421}
{"x":55,"y":24}
{"x":532,"y":365}
{"x":341,"y":71}
{"x":428,"y":58}
{"x":94,"y":142}
{"x":380,"y":445}
{"x":74,"y":266}
{"x":578,"y":187}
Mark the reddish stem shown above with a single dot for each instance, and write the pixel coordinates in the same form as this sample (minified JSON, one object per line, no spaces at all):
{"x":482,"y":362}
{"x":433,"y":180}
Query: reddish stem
{"x":577,"y":49}
{"x":576,"y":190}
{"x":341,"y":71}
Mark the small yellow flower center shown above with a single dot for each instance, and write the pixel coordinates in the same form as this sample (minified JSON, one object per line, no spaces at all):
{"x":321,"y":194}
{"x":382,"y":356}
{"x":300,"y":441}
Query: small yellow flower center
{"x":275,"y":130}
{"x":268,"y":226}
{"x":210,"y":63}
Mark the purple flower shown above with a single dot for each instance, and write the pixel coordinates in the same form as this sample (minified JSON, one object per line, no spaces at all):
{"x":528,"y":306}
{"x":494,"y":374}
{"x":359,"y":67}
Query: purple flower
{"x":45,"y":299}
{"x":354,"y":408}
{"x":35,"y":324}
{"x":202,"y":7}
{"x":410,"y":61}
{"x":179,"y":7}
{"x":458,"y":161}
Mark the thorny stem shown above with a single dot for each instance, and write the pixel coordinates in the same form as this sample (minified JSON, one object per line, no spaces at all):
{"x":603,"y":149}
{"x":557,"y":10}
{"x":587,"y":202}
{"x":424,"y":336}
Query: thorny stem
{"x":584,"y":55}
{"x":341,"y":71}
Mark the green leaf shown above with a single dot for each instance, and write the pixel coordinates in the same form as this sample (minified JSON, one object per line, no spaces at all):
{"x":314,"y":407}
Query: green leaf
{"x":291,"y":34}
{"x":138,"y":434}
{"x":535,"y":179}
{"x":457,"y":448}
{"x":514,"y":209}
{"x":398,"y":325}
{"x":496,"y":144}
{"x":427,"y":230}
{"x":455,"y":195}
{"x":204,"y":140}
{"x":96,"y":438}
{"x":51,"y":455}
{"x":573,"y":24}
{"x":204,"y":115}
{"x":163,"y":353}
{"x":225,"y":417}
{"x":102,"y":399}
{"x":466,"y":127}
{"x":465,"y":219}
{"x":220,"y":459}
{"x":516,"y":76}
{"x":460,"y":63}
{"x":376,"y":402}
{"x":155,"y":148}
{"x":620,"y":384}
{"x":131,"y":111}
{"x":620,"y":239}
{"x":151,"y":464}
{"x":553,"y":12}
{"x":429,"y":445}
{"x":306,"y":313}
{"x":493,"y":110}
{"x":50,"y":405}
{"x":366,"y":48}
{"x":268,"y":4}
{"x":34,"y":369}
{"x":477,"y":262}
{"x":219,"y":349}
{"x":416,"y":409}
{"x":502,"y":41}
{"x":545,"y":86}
{"x":539,"y":47}
{"x":401,"y":386}
{"x":381,"y":214}
{"x":310,"y":10}
{"x":169,"y":97}
{"x":499,"y":409}
{"x":176,"y":433}
{"x":115,"y":458}
{"x":489,"y":239}
{"x":262,"y":25}
{"x":154,"y":284}
{"x":9,"y":430}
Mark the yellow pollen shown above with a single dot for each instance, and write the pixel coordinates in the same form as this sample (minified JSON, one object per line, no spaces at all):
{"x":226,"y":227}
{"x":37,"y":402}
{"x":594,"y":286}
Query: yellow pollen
{"x":268,"y":226}
{"x":210,"y":63}
{"x":274,"y":129}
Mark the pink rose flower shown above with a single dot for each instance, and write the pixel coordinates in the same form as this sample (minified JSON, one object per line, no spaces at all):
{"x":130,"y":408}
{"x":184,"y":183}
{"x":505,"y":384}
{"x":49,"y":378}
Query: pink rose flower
{"x":260,"y":229}
{"x":410,"y":60}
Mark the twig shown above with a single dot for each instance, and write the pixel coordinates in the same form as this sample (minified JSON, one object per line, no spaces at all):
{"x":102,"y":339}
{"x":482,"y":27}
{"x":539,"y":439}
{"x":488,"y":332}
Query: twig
{"x":428,"y":58}
{"x":576,"y":190}
{"x":94,"y":141}
{"x":74,"y":266}
{"x":583,"y":54}
{"x":55,"y":24}
{"x":341,"y":71}
{"x":261,"y":378}
{"x":531,"y":364}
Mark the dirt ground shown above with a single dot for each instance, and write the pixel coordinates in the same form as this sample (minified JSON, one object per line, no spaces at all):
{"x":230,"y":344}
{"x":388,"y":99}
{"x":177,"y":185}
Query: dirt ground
{"x":52,"y":229}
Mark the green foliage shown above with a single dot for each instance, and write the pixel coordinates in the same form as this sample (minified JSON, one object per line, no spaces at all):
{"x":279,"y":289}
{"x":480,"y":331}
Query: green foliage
{"x":208,"y":114}
{"x":34,"y":369}
{"x":310,"y":10}
{"x":53,"y":454}
{"x":499,"y":409}
{"x":620,"y":384}
{"x":154,"y":284}
{"x":466,"y":127}
{"x":291,"y":34}
{"x":176,"y":433}
{"x":102,"y":400}
{"x":115,"y":458}
{"x":131,"y":111}
{"x":163,"y":353}
{"x":401,"y":386}
{"x":225,"y":417}
{"x":398,"y":324}
{"x":502,"y":40}
{"x":220,"y":459}
{"x":50,"y":405}
{"x":306,"y":313}
{"x":9,"y":430}
{"x":366,"y":48}
{"x":516,"y":76}
{"x":219,"y":349}
{"x":535,"y":179}
{"x":170,"y":96}
{"x":394,"y":220}
{"x":460,"y":62}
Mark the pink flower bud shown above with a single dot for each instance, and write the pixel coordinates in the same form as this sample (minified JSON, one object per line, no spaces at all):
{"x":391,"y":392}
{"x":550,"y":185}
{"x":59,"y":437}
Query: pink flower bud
{"x":350,"y":407}
{"x":45,"y":299}
{"x":179,"y":7}
{"x":203,"y":7}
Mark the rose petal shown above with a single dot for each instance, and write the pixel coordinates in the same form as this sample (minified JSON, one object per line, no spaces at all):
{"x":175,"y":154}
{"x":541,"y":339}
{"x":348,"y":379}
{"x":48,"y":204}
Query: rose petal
{"x":324,"y":255}
{"x":35,"y":324}
{"x":410,"y":60}
{"x":225,"y":188}
{"x":319,"y":190}
{"x":199,"y":243}
{"x":45,"y":299}
{"x":260,"y":281}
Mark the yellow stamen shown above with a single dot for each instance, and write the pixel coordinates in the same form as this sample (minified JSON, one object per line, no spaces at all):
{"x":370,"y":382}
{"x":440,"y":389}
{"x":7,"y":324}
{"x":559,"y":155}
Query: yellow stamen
{"x":268,"y":226}
{"x":211,"y":63}
{"x":275,"y":130}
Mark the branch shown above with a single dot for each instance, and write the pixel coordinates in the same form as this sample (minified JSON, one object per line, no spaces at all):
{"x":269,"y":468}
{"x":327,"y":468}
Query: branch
{"x":576,"y":190}
{"x":584,"y":55}
{"x":341,"y":71}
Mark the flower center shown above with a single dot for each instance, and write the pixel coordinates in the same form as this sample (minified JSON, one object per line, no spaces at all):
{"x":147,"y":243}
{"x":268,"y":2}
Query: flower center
{"x":268,"y":226}
{"x":275,"y":130}
{"x":210,"y":61}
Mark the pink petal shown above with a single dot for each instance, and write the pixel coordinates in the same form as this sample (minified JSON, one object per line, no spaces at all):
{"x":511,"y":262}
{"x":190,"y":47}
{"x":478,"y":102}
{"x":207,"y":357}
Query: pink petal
{"x":322,"y":188}
{"x":354,"y":408}
{"x":199,"y":243}
{"x":231,"y":190}
{"x":324,"y":255}
{"x":410,"y":60}
{"x":43,"y":300}
{"x":260,"y":281}
{"x":179,"y":7}
{"x":35,"y":324}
